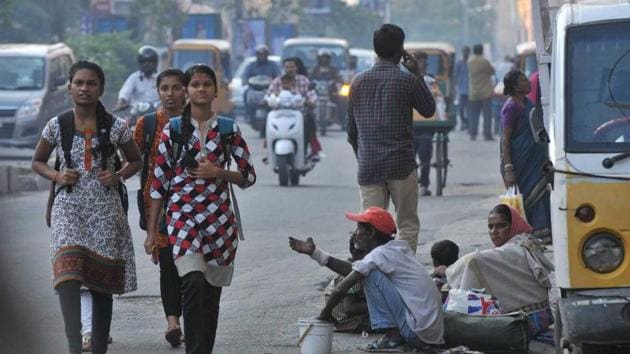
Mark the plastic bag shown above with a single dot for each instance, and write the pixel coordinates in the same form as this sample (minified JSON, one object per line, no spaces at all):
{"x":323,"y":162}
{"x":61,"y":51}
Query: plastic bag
{"x":514,"y":198}
{"x":472,"y":302}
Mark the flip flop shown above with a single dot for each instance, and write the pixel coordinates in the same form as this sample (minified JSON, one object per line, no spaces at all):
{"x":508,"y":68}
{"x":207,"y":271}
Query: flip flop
{"x":174,"y":336}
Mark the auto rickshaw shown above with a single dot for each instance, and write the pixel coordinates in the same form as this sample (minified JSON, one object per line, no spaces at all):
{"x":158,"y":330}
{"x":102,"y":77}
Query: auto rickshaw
{"x":212,"y":52}
{"x":441,"y":60}
{"x":585,"y":94}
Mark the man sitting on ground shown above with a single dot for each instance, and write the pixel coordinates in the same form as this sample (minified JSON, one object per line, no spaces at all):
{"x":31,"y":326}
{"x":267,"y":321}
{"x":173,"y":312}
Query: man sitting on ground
{"x":402,"y":300}
{"x":351,"y":314}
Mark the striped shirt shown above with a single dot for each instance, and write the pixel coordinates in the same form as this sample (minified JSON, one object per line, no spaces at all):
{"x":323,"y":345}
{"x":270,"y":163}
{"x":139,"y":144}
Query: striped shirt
{"x":380,"y":121}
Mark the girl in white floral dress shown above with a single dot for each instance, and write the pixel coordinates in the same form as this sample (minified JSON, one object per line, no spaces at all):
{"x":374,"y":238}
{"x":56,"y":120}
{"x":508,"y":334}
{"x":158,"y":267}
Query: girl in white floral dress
{"x":91,"y":239}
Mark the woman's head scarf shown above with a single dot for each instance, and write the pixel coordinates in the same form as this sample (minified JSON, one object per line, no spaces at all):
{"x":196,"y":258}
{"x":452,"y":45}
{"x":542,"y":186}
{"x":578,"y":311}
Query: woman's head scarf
{"x":519,"y":224}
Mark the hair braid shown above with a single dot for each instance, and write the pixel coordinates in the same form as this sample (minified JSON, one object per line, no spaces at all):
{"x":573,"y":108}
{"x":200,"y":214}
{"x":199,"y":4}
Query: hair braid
{"x":187,"y":127}
{"x":104,"y":123}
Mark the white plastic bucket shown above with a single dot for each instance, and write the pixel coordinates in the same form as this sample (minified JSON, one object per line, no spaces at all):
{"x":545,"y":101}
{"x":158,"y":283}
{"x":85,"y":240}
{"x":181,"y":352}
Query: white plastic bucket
{"x":315,"y":336}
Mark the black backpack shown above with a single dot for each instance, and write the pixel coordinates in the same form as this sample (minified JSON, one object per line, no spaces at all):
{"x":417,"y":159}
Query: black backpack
{"x":148,"y":133}
{"x":66,"y":127}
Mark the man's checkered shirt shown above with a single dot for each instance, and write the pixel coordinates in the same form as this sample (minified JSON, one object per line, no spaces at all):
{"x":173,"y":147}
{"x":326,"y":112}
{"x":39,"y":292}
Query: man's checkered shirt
{"x":380,"y":121}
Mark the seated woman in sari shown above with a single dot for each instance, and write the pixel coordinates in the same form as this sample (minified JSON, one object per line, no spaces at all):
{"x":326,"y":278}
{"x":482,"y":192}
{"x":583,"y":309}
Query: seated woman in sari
{"x":522,"y":159}
{"x":516,"y":271}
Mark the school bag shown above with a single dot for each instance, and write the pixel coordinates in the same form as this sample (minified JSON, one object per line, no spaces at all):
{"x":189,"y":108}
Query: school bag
{"x":148,"y":133}
{"x":66,"y":127}
{"x":226,"y":131}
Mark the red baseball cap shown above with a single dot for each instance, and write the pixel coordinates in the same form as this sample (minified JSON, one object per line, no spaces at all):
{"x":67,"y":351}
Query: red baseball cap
{"x":380,"y":218}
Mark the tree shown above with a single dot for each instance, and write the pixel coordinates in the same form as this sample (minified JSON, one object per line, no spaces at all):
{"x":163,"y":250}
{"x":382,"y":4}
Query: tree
{"x":114,"y":52}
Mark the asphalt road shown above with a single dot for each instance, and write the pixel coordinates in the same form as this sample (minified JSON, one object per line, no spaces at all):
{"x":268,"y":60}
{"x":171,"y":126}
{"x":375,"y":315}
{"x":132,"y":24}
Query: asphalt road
{"x":273,"y":287}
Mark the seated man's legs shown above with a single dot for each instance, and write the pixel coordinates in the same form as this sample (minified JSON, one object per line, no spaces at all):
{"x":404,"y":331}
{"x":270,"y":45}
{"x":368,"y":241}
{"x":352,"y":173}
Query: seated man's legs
{"x":386,"y":307}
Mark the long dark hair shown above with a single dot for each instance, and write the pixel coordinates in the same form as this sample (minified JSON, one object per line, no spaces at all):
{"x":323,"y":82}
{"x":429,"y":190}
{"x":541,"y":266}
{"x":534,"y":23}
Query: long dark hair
{"x":503,"y":210}
{"x":510,"y":80}
{"x":187,"y":127}
{"x":104,"y":120}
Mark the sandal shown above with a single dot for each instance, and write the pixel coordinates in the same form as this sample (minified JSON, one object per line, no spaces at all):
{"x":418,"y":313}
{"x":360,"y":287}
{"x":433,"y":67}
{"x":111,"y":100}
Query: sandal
{"x":385,"y":345}
{"x":174,"y":336}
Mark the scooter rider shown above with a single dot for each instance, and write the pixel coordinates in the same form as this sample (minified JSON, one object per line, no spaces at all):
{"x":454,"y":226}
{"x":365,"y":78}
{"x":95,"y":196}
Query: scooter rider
{"x":262,"y":65}
{"x":300,"y":84}
{"x":324,"y":69}
{"x":140,"y":85}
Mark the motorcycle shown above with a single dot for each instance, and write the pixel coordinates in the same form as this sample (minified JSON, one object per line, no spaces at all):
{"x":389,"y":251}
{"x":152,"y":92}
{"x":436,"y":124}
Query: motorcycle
{"x":137,"y":110}
{"x":326,"y":110}
{"x":257,"y":108}
{"x":286,"y":143}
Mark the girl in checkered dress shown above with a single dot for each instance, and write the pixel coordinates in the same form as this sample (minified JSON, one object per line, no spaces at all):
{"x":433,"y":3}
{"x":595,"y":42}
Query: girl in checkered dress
{"x":201,"y":225}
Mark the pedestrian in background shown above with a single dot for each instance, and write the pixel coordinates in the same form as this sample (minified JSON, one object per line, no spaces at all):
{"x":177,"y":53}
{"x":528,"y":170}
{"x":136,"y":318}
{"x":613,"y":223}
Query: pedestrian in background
{"x":91,"y":239}
{"x":380,"y":130}
{"x":423,"y":137}
{"x":480,"y":89}
{"x":170,"y":87}
{"x":522,"y":159}
{"x":461,"y":84}
{"x":201,"y":226}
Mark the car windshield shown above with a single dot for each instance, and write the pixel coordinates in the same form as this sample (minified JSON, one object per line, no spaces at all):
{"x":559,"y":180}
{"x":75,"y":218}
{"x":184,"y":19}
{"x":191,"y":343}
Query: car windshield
{"x":308,"y":54}
{"x":598,"y":88}
{"x":22,"y":73}
{"x":183,"y":59}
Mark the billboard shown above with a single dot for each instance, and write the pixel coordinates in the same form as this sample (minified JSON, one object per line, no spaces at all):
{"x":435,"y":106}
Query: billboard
{"x":202,"y":26}
{"x":254,"y":33}
{"x":279,"y":33}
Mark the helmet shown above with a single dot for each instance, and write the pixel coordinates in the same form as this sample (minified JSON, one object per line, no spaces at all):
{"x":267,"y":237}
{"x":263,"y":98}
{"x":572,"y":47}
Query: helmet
{"x":262,"y":49}
{"x":323,"y":51}
{"x":147,"y":53}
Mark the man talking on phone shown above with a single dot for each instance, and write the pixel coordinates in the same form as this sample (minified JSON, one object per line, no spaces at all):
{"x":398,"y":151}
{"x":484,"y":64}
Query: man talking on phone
{"x":380,"y":130}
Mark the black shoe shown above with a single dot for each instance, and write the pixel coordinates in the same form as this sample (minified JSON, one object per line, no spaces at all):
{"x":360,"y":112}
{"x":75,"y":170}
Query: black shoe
{"x":488,"y":138}
{"x":473,"y":138}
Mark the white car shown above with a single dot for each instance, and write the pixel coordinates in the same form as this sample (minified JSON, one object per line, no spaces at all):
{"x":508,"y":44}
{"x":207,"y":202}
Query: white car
{"x":237,"y":86}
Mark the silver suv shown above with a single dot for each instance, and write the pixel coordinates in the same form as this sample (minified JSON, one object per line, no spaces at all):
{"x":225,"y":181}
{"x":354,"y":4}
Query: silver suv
{"x":33,"y":88}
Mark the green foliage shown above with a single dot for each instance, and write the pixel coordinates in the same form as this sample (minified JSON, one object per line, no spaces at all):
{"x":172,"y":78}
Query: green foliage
{"x":350,"y":22}
{"x":114,"y":52}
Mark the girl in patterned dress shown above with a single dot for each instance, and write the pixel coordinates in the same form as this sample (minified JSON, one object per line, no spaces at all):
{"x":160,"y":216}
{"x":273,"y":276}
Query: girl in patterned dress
{"x":91,"y":240}
{"x":201,"y":226}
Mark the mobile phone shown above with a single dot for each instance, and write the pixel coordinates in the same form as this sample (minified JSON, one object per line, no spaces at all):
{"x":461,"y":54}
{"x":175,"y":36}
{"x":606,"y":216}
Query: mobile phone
{"x":155,"y":254}
{"x":406,"y":56}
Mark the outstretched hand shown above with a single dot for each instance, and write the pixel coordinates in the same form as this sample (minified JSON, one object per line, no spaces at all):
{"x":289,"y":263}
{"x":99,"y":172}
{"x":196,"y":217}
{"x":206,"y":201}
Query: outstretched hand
{"x":306,"y":247}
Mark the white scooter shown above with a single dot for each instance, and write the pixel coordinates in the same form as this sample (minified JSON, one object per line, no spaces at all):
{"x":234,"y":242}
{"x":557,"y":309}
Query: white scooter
{"x":286,"y":146}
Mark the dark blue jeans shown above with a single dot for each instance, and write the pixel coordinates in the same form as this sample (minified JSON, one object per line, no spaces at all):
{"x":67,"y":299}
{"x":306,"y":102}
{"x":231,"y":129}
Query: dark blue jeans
{"x":463,"y":110}
{"x":387,"y":308}
{"x":423,"y":145}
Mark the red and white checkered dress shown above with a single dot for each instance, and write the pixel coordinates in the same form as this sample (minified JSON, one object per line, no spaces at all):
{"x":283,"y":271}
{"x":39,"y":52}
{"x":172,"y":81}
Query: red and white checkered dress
{"x":199,"y":217}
